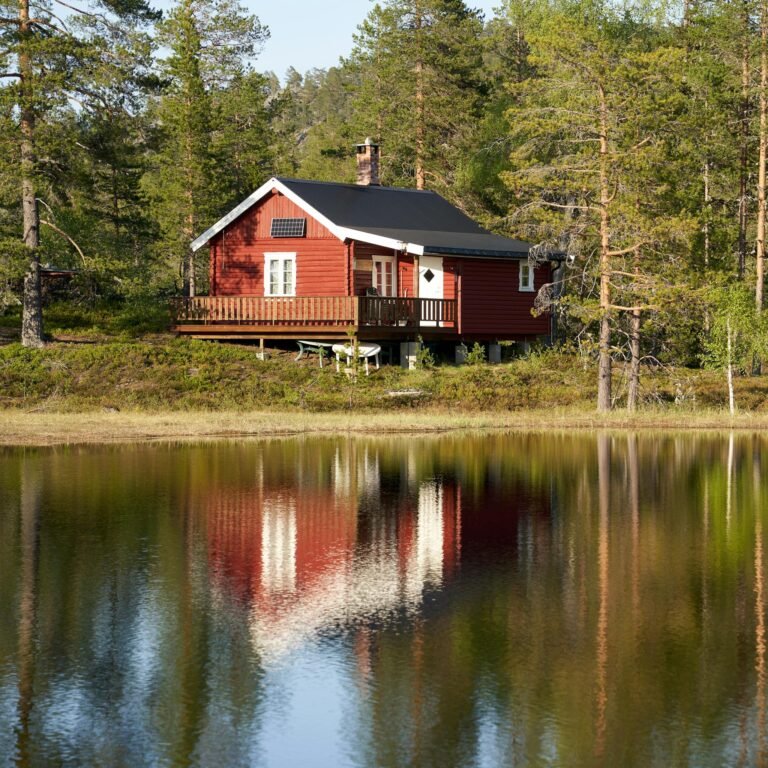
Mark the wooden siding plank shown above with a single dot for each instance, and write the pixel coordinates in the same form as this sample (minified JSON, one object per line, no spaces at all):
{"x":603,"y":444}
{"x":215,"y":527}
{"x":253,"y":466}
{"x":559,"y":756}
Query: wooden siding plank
{"x":492,"y":304}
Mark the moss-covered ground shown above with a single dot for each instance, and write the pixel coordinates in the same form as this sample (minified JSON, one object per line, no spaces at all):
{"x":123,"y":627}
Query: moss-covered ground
{"x":106,"y":361}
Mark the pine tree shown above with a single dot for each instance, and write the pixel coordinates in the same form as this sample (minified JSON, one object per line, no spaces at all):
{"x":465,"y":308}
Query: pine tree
{"x":210,"y":46}
{"x":49,"y":62}
{"x":242,"y":143}
{"x":419,"y":65}
{"x":589,"y":137}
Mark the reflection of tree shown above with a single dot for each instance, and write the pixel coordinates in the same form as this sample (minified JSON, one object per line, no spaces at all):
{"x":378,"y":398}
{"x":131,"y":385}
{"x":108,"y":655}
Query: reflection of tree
{"x":29,"y":509}
{"x":634,"y":504}
{"x":604,"y":490}
{"x":759,"y":610}
{"x":666,"y":608}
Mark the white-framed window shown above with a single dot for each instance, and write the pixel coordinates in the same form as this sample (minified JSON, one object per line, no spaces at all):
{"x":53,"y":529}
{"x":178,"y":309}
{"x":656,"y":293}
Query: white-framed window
{"x":279,"y":274}
{"x":526,"y":276}
{"x":384,"y":278}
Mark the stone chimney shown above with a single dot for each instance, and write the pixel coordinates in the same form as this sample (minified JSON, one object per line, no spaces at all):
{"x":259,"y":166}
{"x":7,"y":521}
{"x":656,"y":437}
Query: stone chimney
{"x":368,"y":164}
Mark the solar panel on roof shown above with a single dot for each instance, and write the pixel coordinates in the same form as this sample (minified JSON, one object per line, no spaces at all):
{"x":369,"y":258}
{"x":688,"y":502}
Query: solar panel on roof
{"x":288,"y":227}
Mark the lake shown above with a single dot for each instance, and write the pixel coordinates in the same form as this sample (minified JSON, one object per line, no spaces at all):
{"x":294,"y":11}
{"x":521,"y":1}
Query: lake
{"x":565,"y":599}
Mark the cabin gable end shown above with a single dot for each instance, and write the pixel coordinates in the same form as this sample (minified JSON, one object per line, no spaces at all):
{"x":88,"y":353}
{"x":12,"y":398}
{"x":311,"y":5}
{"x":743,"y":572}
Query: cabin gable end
{"x":271,"y":226}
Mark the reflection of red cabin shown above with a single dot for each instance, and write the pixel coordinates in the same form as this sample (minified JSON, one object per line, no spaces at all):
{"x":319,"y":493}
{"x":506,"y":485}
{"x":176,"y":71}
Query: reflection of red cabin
{"x":266,"y":543}
{"x":318,"y":531}
{"x":432,"y":529}
{"x":303,"y":258}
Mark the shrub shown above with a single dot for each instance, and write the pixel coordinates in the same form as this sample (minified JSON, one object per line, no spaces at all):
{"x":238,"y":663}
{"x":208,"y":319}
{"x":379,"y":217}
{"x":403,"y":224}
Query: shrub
{"x":476,"y":355}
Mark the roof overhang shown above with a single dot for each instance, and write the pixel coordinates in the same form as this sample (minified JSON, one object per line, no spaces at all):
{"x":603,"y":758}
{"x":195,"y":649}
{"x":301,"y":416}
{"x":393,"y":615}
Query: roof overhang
{"x":345,"y":233}
{"x":467,"y":253}
{"x":473,"y":253}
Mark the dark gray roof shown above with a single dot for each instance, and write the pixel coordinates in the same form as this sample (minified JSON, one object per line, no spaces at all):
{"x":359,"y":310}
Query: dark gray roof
{"x":408,"y":215}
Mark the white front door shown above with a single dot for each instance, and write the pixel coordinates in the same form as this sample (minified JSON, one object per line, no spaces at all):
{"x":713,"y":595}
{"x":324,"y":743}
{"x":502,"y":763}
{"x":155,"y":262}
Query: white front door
{"x":430,"y":285}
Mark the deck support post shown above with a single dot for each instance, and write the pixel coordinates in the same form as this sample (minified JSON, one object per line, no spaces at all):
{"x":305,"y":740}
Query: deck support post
{"x":494,"y":352}
{"x":261,"y":354}
{"x":409,"y":351}
{"x":461,"y":353}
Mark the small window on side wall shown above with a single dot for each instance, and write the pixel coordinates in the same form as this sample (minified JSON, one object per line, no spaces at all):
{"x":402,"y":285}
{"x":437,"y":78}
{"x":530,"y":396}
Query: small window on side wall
{"x":279,"y":274}
{"x":526,"y":276}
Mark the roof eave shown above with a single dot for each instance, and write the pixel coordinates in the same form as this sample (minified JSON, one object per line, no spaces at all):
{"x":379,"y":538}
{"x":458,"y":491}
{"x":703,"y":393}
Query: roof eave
{"x":384,"y":242}
{"x":477,"y":253}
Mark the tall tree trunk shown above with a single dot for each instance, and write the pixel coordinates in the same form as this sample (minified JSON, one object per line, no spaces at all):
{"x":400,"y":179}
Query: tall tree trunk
{"x":188,"y":229}
{"x":115,"y":207}
{"x":31,"y":501}
{"x":420,"y":128}
{"x":707,"y":201}
{"x":744,"y":140}
{"x":760,"y":253}
{"x":32,"y":312}
{"x":420,"y":111}
{"x":190,"y":283}
{"x":633,"y":392}
{"x":604,"y":350}
{"x":729,"y":368}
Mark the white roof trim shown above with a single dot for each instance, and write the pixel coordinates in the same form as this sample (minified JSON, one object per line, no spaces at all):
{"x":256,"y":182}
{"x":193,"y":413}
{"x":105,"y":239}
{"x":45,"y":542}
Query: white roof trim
{"x":385,"y":242}
{"x":254,"y":198}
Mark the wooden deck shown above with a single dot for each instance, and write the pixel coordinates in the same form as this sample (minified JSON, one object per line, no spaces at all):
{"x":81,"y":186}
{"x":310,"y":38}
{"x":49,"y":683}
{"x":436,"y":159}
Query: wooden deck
{"x":298,"y":317}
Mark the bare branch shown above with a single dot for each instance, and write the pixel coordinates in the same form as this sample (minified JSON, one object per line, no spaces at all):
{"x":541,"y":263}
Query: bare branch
{"x":632,"y":249}
{"x":638,"y":145}
{"x":48,"y":207}
{"x":568,"y":207}
{"x":639,"y":308}
{"x":59,"y":19}
{"x":633,"y":275}
{"x":100,"y":16}
{"x":66,"y":236}
{"x":45,"y":23}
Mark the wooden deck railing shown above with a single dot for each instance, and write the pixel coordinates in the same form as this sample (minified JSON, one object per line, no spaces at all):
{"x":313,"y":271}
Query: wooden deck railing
{"x":342,"y":311}
{"x":269,"y":310}
{"x":407,"y":312}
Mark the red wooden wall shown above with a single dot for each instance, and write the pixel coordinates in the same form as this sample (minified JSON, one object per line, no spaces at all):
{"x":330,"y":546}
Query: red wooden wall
{"x":237,"y":253}
{"x":492,"y":304}
{"x":405,"y":276}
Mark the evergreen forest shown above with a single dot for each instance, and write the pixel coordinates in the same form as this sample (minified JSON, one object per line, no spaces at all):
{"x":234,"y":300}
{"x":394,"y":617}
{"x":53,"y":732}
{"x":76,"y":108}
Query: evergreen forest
{"x":631,"y":136}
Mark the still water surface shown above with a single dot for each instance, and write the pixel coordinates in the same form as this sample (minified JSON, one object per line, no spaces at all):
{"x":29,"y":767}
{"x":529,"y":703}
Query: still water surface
{"x":520,"y":600}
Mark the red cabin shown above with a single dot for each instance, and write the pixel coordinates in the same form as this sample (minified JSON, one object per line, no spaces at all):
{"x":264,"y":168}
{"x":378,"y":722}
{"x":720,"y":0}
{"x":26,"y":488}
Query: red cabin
{"x":307,"y":259}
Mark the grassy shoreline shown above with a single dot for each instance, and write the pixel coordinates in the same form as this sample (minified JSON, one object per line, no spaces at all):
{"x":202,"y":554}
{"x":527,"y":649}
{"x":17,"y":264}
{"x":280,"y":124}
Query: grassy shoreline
{"x":97,"y":389}
{"x":20,"y":428}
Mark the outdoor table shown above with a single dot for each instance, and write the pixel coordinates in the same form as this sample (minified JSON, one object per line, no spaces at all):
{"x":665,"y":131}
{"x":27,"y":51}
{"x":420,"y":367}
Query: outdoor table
{"x":365,"y":351}
{"x":312,"y":346}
